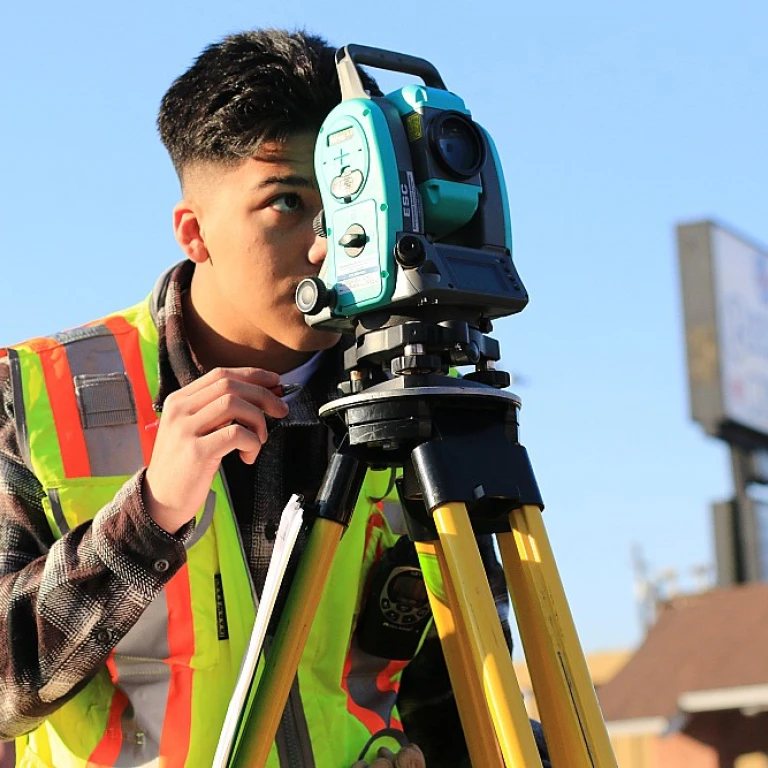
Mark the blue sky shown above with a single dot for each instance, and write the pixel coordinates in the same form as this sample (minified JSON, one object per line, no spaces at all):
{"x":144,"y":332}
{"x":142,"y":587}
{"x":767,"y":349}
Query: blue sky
{"x":613,"y":121}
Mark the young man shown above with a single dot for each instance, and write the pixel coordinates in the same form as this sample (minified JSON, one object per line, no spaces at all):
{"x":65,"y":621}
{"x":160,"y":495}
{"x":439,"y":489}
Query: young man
{"x":132,"y":545}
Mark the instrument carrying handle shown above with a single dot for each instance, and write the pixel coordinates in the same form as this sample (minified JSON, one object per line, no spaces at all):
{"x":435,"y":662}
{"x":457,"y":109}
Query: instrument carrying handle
{"x":390,"y":60}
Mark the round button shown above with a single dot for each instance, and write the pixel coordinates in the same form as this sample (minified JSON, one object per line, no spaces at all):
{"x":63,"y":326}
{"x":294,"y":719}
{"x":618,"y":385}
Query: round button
{"x":104,"y":636}
{"x":347,"y":184}
{"x":161,"y":566}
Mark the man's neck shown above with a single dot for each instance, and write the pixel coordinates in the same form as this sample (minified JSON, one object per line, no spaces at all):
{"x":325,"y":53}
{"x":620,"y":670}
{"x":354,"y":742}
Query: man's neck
{"x":213,"y":350}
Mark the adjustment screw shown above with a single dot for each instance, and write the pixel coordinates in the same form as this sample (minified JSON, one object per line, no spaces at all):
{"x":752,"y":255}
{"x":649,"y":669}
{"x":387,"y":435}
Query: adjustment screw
{"x":318,"y":224}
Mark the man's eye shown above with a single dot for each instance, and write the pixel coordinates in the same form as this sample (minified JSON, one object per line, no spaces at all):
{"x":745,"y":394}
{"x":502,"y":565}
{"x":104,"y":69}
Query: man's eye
{"x":287,"y":203}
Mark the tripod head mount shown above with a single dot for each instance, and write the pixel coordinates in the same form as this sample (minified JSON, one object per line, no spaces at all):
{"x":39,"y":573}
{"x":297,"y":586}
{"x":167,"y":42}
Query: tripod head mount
{"x":407,"y":346}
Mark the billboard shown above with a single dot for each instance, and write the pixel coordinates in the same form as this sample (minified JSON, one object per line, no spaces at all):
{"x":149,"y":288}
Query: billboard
{"x":725,"y":299}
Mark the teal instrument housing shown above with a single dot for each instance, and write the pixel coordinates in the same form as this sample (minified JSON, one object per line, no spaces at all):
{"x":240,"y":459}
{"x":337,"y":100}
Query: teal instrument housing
{"x":354,"y":144}
{"x":447,"y":204}
{"x":506,"y":216}
{"x":414,"y":208}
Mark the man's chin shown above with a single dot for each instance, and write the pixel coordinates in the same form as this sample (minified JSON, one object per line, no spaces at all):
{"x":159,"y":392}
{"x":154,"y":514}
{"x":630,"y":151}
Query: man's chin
{"x":313,"y":340}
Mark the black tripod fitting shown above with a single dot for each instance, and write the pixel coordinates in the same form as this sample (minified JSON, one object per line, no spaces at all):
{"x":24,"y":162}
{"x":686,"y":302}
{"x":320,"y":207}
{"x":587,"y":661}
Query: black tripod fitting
{"x":456,"y":440}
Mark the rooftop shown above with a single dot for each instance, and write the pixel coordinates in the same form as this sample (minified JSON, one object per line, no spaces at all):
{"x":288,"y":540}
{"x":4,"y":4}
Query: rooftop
{"x":705,"y":652}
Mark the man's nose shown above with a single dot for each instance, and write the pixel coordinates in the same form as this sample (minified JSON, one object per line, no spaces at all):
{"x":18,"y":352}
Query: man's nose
{"x":318,"y":251}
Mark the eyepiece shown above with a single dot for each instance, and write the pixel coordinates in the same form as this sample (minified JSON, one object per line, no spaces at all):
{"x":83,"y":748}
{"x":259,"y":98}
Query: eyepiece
{"x":312,"y":295}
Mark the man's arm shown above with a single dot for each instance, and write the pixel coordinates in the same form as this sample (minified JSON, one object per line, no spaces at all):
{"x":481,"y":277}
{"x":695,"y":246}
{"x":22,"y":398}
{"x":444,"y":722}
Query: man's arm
{"x":65,"y":604}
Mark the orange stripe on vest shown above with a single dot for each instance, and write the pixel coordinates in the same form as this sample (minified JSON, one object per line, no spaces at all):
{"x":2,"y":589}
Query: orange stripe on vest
{"x":127,"y":339}
{"x":108,"y":749}
{"x":174,"y":740}
{"x":66,"y":415}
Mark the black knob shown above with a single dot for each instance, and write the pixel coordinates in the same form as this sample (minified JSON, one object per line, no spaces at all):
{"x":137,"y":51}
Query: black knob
{"x":353,"y":241}
{"x":493,"y":378}
{"x":318,"y":224}
{"x":312,"y":295}
{"x":409,"y":251}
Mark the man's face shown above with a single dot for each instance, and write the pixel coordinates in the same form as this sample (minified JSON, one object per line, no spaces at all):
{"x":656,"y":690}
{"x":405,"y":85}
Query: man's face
{"x":256,"y":244}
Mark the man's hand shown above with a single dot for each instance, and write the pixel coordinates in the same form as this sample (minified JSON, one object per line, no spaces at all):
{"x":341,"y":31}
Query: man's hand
{"x":222,"y":411}
{"x":410,"y":756}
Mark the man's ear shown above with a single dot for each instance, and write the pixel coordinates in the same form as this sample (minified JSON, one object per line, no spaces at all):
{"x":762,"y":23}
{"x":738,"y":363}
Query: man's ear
{"x":186,"y":227}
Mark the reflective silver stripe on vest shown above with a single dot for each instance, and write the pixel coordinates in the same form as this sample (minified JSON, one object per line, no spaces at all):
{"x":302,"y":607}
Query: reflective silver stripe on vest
{"x":58,"y":511}
{"x":105,"y":400}
{"x":146,"y":679}
{"x":393,"y":514}
{"x":205,"y":521}
{"x":19,"y":412}
{"x":361,"y":683}
{"x":142,"y":673}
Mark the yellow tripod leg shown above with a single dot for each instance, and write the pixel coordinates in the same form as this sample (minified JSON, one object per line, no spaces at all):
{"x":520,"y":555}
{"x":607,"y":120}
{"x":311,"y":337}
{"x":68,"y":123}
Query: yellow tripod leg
{"x":573,"y":724}
{"x":465,"y":570}
{"x":274,"y":687}
{"x":467,"y":688}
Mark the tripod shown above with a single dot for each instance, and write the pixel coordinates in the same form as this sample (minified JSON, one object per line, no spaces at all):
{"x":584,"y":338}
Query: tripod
{"x":464,"y":472}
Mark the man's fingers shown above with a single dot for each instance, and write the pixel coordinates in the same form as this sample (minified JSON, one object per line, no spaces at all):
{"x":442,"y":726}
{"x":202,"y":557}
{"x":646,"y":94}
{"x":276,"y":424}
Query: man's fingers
{"x":230,"y":409}
{"x":410,"y":756}
{"x":234,"y":437}
{"x":227,"y":391}
{"x":258,"y":376}
{"x":385,"y":758}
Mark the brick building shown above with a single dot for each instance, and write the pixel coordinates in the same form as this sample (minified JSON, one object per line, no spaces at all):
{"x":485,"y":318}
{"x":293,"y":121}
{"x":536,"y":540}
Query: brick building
{"x":695,"y":693}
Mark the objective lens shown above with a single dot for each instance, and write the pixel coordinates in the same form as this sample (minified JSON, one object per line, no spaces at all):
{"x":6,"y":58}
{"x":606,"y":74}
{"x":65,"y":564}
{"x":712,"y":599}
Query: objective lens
{"x":457,"y":143}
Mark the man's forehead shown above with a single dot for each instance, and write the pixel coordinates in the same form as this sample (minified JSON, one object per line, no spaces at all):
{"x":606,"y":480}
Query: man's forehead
{"x":273,"y":160}
{"x":294,"y":149}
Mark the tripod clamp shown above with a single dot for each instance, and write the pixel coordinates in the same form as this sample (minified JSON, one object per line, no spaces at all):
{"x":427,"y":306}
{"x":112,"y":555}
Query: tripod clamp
{"x":456,"y":440}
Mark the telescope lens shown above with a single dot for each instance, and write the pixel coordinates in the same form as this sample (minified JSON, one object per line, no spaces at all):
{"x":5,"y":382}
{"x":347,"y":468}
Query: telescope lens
{"x":457,"y":143}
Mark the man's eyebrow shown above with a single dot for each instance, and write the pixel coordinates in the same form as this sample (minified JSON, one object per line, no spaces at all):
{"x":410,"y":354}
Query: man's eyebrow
{"x":289,"y":181}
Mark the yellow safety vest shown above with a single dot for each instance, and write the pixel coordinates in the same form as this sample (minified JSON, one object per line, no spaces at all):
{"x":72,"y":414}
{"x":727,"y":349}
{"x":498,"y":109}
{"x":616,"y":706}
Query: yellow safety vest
{"x":83,"y":403}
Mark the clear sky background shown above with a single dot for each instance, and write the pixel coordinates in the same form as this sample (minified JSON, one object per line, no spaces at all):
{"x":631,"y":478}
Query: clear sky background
{"x":614,"y":122}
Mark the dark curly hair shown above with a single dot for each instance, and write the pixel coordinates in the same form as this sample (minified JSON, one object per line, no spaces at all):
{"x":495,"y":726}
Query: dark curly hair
{"x":251,"y":87}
